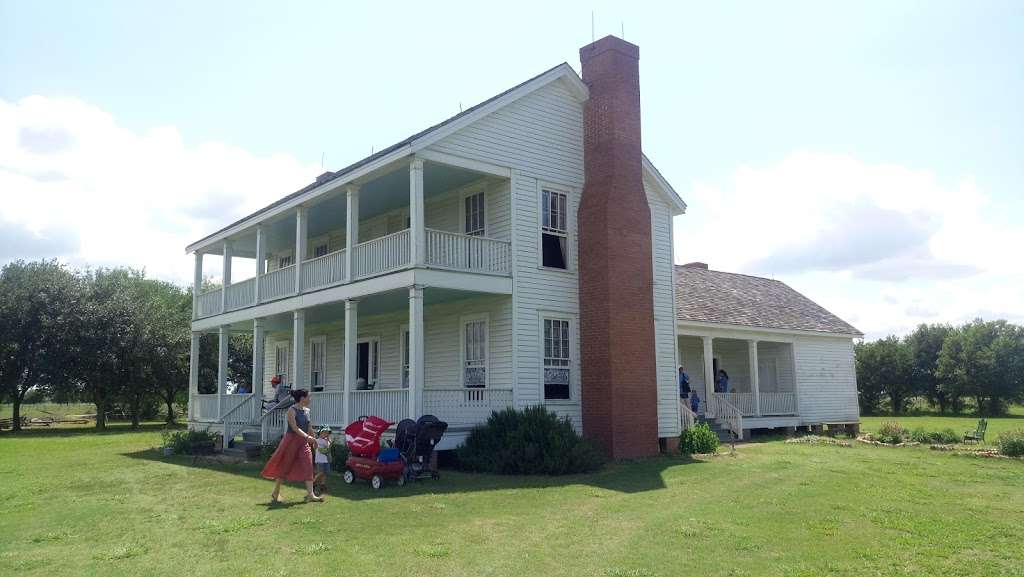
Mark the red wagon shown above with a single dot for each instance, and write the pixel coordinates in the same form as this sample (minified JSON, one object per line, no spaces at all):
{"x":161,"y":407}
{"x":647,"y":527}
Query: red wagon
{"x":366,"y":460}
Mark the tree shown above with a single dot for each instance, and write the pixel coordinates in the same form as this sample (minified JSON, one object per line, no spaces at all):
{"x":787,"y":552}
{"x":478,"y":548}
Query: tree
{"x":39,"y":314}
{"x":925,"y":345}
{"x":169,"y":359}
{"x":983,"y":360}
{"x":884,"y":369}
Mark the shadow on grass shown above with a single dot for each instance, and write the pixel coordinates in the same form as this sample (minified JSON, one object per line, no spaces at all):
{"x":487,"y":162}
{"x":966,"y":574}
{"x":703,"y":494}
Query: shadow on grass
{"x":623,"y":477}
{"x":116,"y":428}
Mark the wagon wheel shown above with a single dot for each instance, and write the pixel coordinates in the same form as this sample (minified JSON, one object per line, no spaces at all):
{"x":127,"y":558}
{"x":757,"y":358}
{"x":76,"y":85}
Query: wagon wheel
{"x":377,"y":482}
{"x":348,"y":476}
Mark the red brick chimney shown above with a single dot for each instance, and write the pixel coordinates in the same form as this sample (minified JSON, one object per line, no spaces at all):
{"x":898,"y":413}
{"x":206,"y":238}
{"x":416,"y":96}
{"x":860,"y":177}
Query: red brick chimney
{"x":619,"y":392}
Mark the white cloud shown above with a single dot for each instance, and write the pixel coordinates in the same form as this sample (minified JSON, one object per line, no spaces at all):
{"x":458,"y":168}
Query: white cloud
{"x":883,"y":246}
{"x":76,"y":185}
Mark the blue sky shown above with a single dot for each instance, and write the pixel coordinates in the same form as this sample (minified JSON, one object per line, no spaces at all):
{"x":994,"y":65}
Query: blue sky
{"x":854,"y":150}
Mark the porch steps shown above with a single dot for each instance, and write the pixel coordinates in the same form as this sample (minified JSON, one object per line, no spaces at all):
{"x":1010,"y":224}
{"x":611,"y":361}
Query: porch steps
{"x":241,"y":448}
{"x":720,"y":431}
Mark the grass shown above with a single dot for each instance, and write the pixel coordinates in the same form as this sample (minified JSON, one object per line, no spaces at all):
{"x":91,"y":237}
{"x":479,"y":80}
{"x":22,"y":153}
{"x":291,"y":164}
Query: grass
{"x":48,"y":409}
{"x":79,"y":503}
{"x":960,"y":424}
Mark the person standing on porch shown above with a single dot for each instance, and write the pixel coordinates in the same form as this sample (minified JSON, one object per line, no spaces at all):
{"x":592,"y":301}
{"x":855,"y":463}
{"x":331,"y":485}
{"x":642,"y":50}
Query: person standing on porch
{"x":293,"y":459}
{"x":684,"y":383}
{"x":722,"y":382}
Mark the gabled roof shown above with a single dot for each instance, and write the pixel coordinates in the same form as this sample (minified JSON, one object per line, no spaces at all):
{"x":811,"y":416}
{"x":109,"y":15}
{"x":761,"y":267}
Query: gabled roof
{"x":711,"y":296}
{"x":424,"y":138}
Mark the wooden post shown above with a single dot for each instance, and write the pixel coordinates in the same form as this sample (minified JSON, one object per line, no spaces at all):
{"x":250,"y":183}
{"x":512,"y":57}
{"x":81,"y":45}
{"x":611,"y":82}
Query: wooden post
{"x":261,"y":258}
{"x":755,"y":384}
{"x":226,"y":276}
{"x":300,"y":246}
{"x":197,"y":284}
{"x":193,"y":375}
{"x":417,"y":372}
{"x":351,"y":362}
{"x":298,"y":349}
{"x":222,"y":367}
{"x":351,"y":228}
{"x":709,"y":372}
{"x":418,"y":234}
{"x":258,"y":362}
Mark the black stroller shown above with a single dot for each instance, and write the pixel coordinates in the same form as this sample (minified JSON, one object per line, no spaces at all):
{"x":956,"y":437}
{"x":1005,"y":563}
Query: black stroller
{"x":416,"y":440}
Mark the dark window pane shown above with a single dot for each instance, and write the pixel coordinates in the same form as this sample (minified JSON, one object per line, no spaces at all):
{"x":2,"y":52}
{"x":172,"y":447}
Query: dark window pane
{"x":554,"y":251}
{"x":556,"y":391}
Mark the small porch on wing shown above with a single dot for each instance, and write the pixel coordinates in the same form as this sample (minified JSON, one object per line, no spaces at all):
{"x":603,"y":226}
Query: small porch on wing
{"x":761,"y":380}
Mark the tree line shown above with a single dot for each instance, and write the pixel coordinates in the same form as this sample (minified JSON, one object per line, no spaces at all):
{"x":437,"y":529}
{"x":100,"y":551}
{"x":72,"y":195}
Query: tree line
{"x":952,"y":368}
{"x":109,"y":336}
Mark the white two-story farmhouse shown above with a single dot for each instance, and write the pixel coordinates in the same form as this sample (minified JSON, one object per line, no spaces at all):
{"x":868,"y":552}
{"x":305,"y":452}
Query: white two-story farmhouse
{"x":519,"y":253}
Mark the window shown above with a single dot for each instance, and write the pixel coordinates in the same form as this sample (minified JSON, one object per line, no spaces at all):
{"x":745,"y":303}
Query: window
{"x":284,"y":261}
{"x":317,"y":363}
{"x":474,"y":353}
{"x":281,"y":361}
{"x":319,"y":250}
{"x":405,"y":357}
{"x":474,"y":214}
{"x":556,"y":359}
{"x":366,"y":360}
{"x":554,"y":230}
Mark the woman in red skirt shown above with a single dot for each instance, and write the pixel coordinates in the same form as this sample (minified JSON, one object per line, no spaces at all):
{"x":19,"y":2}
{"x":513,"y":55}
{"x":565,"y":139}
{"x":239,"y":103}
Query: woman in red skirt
{"x":293,"y":459}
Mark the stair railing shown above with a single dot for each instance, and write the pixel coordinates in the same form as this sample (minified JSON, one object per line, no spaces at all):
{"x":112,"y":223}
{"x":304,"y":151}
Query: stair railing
{"x":726,"y":413}
{"x":238,"y":418}
{"x":687,"y":418}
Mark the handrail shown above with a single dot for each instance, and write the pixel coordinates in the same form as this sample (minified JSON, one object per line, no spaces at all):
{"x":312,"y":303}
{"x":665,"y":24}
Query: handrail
{"x":727,"y":413}
{"x":687,"y":418}
{"x":232,"y":426}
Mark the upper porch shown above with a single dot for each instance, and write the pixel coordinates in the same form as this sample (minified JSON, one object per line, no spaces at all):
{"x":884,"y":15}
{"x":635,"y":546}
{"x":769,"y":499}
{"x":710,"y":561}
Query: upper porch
{"x":412,"y":214}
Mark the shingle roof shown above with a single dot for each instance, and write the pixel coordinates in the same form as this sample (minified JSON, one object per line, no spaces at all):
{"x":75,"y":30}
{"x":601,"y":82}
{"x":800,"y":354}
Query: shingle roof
{"x":712,"y":296}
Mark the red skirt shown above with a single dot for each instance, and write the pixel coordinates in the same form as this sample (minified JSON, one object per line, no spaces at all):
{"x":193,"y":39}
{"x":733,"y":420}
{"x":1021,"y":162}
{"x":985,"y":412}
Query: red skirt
{"x":292,"y":461}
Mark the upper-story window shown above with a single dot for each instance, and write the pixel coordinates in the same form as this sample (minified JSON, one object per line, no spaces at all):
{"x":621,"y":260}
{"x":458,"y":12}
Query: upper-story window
{"x":319,"y":250}
{"x":474,"y":210}
{"x":554,"y":229}
{"x":284,"y":261}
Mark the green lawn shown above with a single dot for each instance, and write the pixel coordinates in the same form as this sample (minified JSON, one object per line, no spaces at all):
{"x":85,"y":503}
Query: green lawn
{"x":75,"y":502}
{"x":48,"y":409}
{"x":1015,"y":420}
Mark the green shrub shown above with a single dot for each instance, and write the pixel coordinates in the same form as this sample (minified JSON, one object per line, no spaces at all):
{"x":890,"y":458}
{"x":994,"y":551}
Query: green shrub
{"x":943,"y":437}
{"x":890,"y":433}
{"x":1011,"y":443}
{"x":180,"y":442}
{"x":339,"y":452}
{"x":698,"y":440}
{"x":533,"y":441}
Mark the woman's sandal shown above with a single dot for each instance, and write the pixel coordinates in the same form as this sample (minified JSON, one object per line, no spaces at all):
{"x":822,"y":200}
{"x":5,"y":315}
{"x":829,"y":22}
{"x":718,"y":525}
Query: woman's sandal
{"x":314,"y":499}
{"x":275,"y":500}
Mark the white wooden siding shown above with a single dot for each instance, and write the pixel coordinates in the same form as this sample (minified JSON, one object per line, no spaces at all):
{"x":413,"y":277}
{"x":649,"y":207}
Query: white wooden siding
{"x":826,"y":382}
{"x":664,"y":315}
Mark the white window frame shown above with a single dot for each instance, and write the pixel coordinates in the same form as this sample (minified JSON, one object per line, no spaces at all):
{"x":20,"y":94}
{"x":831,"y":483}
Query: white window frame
{"x":403,"y":355}
{"x":373,"y":360}
{"x":278,"y":346}
{"x":324,"y":246}
{"x":466,"y":320}
{"x":281,"y":258}
{"x":321,"y":341}
{"x":570,"y":223}
{"x":475,"y":191}
{"x":573,"y":365}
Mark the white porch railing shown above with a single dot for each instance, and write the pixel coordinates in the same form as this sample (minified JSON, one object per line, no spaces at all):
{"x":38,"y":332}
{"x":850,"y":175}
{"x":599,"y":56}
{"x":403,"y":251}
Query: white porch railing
{"x":277,"y":284}
{"x":462,"y":406}
{"x":323,"y":271}
{"x":209,"y":303}
{"x":389,"y":404}
{"x":204,"y":408}
{"x":468,"y":253}
{"x":719,"y":408}
{"x":381,"y":254}
{"x":239,"y":417}
{"x":742,"y":401}
{"x":241,"y":294}
{"x":231,"y":402}
{"x":687,"y":418}
{"x":272,"y":425}
{"x":778,"y":403}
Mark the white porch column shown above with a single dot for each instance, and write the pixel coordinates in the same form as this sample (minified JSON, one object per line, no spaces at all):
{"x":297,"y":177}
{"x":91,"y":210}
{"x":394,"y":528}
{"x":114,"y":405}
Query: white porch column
{"x":351,"y":364}
{"x":197,"y":285}
{"x":300,"y":246}
{"x":709,"y":369}
{"x":193,"y":375}
{"x":222,"y":367}
{"x":258,"y":363}
{"x":417,"y":370}
{"x":418,"y":234}
{"x":298,"y":349}
{"x":261,"y":259}
{"x":226,"y":276}
{"x":351,"y":227}
{"x":755,"y":385}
